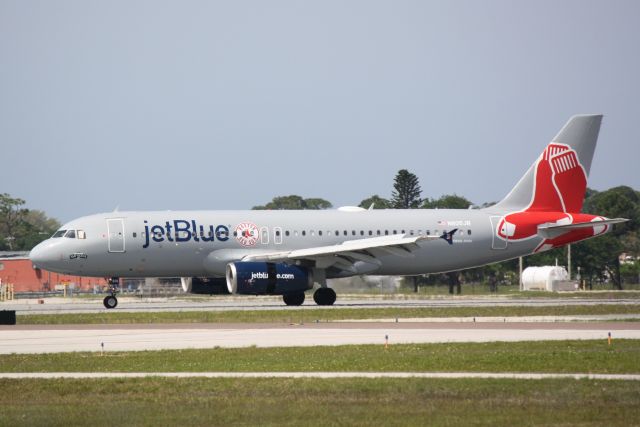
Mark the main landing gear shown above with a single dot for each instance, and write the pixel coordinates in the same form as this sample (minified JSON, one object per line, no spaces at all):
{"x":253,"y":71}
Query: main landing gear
{"x":322,"y":296}
{"x":110,"y":301}
{"x":295,"y":298}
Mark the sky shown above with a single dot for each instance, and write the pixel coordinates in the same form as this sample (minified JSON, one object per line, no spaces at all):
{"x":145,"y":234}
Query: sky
{"x":156,"y":105}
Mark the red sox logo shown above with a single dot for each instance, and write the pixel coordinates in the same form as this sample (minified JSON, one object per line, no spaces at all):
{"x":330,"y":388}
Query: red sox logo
{"x":560,"y":182}
{"x":247,"y":233}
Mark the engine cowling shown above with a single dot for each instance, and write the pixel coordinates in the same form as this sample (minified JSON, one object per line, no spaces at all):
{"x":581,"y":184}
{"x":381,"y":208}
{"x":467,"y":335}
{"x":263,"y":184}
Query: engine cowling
{"x":204,"y":285}
{"x":267,"y":278}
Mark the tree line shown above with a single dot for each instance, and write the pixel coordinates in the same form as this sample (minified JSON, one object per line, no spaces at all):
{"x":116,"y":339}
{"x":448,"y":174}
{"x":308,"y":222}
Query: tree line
{"x":21,"y":228}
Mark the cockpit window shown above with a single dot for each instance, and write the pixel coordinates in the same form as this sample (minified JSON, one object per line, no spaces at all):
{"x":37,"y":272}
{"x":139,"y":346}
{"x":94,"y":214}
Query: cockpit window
{"x":58,"y":233}
{"x":82,"y":234}
{"x":71,"y":234}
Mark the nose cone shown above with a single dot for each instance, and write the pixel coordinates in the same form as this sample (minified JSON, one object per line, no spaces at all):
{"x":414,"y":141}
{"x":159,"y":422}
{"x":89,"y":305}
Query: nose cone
{"x":42,"y":255}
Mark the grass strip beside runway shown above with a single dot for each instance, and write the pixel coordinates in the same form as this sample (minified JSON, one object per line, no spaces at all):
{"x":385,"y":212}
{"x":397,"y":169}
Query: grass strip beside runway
{"x":322,"y":314}
{"x":536,"y":356}
{"x":163,"y":401}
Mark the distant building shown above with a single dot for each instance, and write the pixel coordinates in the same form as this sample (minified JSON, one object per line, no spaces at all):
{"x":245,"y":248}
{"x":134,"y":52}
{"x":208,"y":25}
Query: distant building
{"x":17,"y":268}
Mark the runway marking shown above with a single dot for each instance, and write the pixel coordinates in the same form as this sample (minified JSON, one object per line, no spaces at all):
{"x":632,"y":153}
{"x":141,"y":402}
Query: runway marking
{"x":450,"y":375}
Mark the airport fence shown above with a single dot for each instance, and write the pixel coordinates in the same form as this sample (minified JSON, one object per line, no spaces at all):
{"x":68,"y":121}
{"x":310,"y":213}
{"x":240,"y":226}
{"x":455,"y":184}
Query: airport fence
{"x":6,"y":292}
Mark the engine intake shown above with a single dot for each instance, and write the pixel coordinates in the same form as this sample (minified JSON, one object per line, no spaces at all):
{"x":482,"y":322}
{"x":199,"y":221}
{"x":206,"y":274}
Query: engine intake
{"x":267,"y":278}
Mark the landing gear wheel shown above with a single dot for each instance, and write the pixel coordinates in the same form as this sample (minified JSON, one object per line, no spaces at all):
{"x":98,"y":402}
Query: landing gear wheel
{"x":293,"y":299}
{"x":324,"y":296}
{"x":110,"y":301}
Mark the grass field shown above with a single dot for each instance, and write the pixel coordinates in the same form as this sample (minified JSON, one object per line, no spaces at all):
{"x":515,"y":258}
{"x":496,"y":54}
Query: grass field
{"x":310,"y":402}
{"x":297,"y":315}
{"x":536,"y":356}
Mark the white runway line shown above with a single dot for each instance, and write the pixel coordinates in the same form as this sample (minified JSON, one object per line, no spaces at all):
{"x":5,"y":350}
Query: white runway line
{"x":476,"y":375}
{"x":70,"y":340}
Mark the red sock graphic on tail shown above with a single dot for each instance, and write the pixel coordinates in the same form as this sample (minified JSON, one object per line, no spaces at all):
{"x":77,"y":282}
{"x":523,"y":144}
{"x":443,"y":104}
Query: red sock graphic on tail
{"x":570,"y":180}
{"x":545,"y":196}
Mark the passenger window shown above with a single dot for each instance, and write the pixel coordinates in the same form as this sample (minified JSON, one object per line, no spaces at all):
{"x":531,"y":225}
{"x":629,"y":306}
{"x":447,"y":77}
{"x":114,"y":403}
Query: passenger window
{"x":83,"y":235}
{"x":319,"y":232}
{"x":378,"y":232}
{"x":134,"y":235}
{"x":370,"y":233}
{"x":469,"y":232}
{"x":277,"y":233}
{"x":386,"y":232}
{"x":353,"y":232}
{"x":286,"y":233}
{"x":337,"y":233}
{"x":71,"y":234}
{"x":304,"y":233}
{"x":395,"y":231}
{"x":362,"y":232}
{"x":345,"y":232}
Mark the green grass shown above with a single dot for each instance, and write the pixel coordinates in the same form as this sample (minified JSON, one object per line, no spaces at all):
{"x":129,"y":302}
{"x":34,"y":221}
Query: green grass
{"x":289,"y":315}
{"x":536,"y":356}
{"x":311,"y":402}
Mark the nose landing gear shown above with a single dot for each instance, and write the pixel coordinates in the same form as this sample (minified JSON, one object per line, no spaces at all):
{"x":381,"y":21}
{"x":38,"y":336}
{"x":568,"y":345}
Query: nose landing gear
{"x":110,"y":301}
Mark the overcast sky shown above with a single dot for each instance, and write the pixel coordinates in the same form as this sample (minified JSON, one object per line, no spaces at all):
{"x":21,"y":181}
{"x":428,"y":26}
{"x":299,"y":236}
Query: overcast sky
{"x":223,"y":105}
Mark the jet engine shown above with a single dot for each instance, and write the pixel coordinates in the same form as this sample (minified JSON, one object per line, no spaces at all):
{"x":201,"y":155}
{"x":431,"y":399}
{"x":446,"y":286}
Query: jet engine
{"x":204,"y":285}
{"x":267,"y":278}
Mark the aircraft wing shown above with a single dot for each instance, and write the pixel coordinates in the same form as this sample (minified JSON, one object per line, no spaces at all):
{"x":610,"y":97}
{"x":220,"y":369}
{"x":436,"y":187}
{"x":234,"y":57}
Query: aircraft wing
{"x":346,"y":254}
{"x":551,"y":231}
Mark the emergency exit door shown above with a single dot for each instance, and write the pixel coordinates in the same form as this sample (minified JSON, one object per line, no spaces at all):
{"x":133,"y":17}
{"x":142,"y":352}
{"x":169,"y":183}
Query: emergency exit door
{"x":115,"y":232}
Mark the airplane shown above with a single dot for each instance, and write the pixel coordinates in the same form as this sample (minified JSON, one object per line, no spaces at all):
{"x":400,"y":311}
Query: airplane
{"x":287,"y":253}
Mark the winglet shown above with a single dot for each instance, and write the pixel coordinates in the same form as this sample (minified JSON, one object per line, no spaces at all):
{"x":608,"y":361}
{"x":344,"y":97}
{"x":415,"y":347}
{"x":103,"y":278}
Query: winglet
{"x":448,"y":236}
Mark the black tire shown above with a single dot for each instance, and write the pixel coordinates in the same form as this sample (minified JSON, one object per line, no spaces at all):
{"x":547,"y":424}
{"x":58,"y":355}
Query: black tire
{"x":293,"y":299}
{"x":324,"y":296}
{"x":110,"y":301}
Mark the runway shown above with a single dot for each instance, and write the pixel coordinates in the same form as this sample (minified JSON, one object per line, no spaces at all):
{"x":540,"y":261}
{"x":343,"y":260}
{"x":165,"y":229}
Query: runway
{"x":92,"y":338}
{"x":230,"y":303}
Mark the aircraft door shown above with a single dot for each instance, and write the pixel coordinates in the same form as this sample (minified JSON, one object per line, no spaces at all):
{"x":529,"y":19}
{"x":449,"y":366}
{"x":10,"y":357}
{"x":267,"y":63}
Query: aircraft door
{"x":264,"y":235}
{"x":496,"y":241}
{"x":115,"y":233}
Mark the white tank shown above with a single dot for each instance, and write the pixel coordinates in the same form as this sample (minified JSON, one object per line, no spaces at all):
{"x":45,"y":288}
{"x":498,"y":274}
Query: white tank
{"x":542,"y":278}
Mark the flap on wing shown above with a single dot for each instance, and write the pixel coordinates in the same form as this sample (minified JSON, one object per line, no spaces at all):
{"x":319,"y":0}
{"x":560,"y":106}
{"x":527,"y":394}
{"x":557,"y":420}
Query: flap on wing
{"x":551,"y":231}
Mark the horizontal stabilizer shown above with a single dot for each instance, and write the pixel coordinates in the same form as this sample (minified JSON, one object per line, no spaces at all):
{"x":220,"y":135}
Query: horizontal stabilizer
{"x":551,"y":231}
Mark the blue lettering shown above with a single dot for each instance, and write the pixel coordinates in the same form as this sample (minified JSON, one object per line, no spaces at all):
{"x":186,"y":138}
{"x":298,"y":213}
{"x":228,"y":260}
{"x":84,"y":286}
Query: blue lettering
{"x":207,"y":237}
{"x":169,"y":238}
{"x":146,"y":235}
{"x":185,"y":229}
{"x":222,"y":233}
{"x":158,"y":233}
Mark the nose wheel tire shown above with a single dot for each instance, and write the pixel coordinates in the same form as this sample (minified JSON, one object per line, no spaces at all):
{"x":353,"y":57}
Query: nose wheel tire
{"x":324,"y":296}
{"x":110,"y":301}
{"x":293,"y":299}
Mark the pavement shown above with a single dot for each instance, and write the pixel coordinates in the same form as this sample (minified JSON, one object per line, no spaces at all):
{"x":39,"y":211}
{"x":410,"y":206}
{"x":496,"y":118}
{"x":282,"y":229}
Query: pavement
{"x":241,"y":302}
{"x":92,"y":338}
